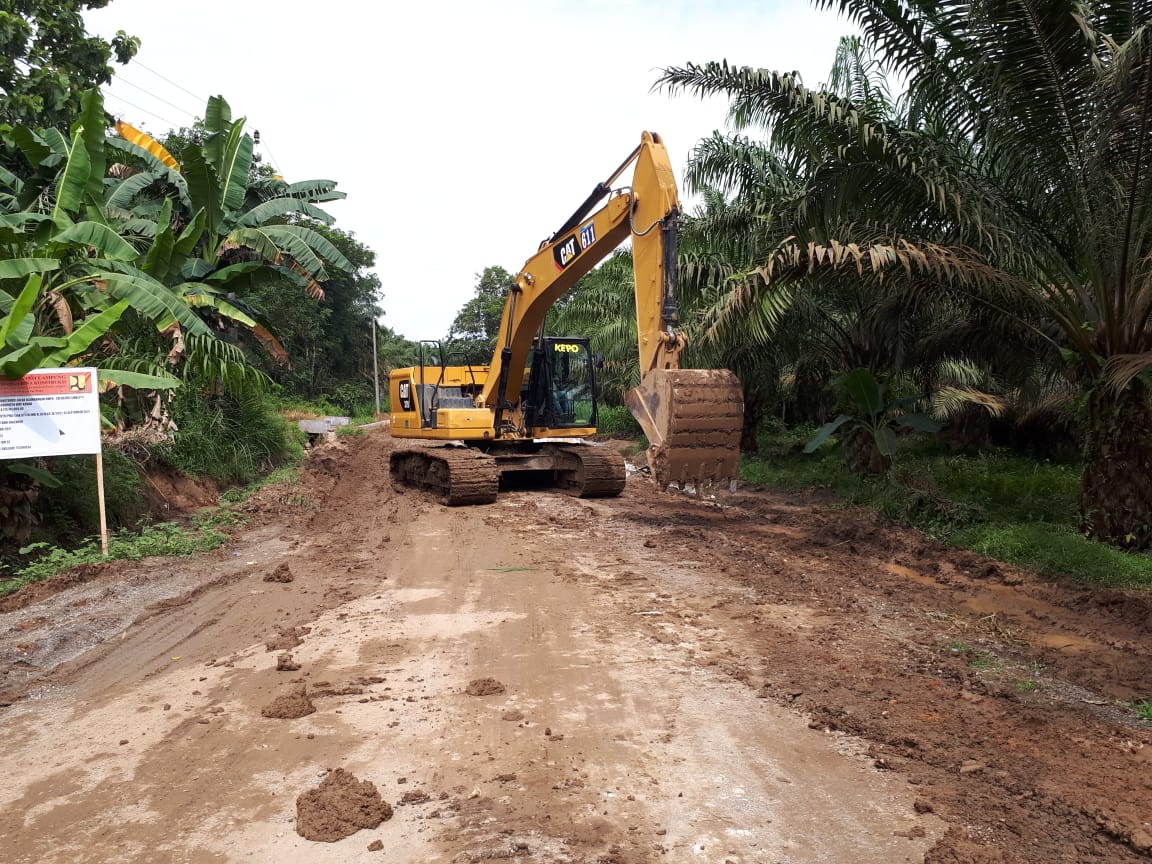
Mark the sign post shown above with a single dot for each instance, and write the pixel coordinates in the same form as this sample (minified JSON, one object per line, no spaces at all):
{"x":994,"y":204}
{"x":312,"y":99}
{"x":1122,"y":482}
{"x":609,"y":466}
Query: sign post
{"x":54,"y":412}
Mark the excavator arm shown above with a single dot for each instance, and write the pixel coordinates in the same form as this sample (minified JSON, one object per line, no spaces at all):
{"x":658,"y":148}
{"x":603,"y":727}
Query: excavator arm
{"x":648,"y":211}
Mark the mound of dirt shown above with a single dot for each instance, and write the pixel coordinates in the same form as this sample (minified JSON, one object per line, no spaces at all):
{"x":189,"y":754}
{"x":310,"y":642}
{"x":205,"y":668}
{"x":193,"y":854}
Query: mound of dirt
{"x":290,"y":706}
{"x":286,"y":638}
{"x":285,"y":663}
{"x":484,"y":687}
{"x":280,"y":574}
{"x":339,"y":807}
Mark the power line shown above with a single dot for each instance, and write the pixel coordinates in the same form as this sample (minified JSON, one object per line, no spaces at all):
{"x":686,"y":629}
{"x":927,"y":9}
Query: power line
{"x":171,"y":124}
{"x":136,"y":62}
{"x":271,"y":156}
{"x":120,"y":79}
{"x":199,"y":98}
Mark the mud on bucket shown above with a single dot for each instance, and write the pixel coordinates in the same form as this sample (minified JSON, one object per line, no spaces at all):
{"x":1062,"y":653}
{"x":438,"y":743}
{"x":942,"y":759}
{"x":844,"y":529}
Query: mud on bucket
{"x":692,"y":418}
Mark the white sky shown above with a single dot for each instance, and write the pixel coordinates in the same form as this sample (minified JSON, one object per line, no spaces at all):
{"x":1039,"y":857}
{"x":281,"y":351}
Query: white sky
{"x":463,"y":132}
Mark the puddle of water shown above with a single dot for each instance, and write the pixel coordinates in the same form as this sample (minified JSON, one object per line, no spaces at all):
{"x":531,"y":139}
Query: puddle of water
{"x":1066,"y":642}
{"x":909,"y":573}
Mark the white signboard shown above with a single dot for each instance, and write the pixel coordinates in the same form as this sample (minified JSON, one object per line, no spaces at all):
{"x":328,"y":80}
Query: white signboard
{"x":49,"y":412}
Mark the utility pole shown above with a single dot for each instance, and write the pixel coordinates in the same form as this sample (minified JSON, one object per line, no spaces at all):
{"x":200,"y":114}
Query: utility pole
{"x":375,"y":364}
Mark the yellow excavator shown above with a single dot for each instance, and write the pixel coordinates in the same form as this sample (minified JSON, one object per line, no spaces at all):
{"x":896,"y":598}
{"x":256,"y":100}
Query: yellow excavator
{"x":529,"y":409}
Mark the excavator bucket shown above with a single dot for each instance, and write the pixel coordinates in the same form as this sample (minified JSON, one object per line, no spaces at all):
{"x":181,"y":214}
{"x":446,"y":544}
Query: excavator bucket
{"x":692,"y":418}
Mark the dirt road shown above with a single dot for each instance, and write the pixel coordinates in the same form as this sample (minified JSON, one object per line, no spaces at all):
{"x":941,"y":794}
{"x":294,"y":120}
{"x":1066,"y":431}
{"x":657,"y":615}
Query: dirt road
{"x":759,"y":679}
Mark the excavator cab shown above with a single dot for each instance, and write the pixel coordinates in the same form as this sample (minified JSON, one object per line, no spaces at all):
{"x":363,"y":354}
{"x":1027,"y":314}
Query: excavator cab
{"x":561,"y":385}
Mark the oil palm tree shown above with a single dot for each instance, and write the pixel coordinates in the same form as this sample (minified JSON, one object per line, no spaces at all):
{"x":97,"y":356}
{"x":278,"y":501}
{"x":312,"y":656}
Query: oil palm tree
{"x":1018,"y":171}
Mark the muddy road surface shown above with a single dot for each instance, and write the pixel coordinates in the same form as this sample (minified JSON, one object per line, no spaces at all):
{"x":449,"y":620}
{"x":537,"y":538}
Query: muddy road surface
{"x":653,"y":678}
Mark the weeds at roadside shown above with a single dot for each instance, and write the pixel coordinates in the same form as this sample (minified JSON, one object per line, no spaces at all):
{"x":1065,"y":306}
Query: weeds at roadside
{"x":287,"y":474}
{"x":1027,"y":685}
{"x":164,"y":539}
{"x":207,"y":529}
{"x":997,"y":503}
{"x":984,"y":660}
{"x":1143,"y":709}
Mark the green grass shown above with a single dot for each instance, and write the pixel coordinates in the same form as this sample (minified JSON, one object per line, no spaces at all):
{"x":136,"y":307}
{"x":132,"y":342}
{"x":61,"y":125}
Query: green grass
{"x":234,"y":438}
{"x":167,"y":538}
{"x":1143,"y":709}
{"x":289,"y":473}
{"x":1000,"y":504}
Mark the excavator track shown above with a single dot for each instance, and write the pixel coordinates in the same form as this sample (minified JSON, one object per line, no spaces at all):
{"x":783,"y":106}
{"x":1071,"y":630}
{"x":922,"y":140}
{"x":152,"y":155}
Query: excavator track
{"x":600,"y":472}
{"x":456,"y":475}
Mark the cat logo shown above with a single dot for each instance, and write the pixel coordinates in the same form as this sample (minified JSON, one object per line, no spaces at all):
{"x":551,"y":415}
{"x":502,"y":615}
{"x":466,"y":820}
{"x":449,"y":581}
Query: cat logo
{"x":405,"y":396}
{"x":566,"y":251}
{"x":78,"y":383}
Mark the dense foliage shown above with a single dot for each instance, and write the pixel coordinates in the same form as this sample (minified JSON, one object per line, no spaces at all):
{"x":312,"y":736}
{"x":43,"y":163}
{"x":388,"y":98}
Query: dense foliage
{"x":1009,"y":186}
{"x":194,"y":281}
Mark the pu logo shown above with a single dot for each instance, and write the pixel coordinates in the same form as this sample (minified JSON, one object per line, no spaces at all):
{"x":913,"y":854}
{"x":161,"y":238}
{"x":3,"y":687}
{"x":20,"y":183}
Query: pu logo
{"x":78,"y":383}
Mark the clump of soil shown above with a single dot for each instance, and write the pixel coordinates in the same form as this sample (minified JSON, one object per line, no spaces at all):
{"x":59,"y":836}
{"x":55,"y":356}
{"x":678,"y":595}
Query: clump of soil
{"x":339,"y":807}
{"x":484,"y":687}
{"x":287,"y":637}
{"x":513,"y":716}
{"x":290,"y":706}
{"x":280,"y":574}
{"x":375,"y":846}
{"x":416,"y":796}
{"x":285,"y":663}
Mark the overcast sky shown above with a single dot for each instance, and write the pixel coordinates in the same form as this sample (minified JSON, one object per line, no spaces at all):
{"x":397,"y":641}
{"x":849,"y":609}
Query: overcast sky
{"x":463,"y":132}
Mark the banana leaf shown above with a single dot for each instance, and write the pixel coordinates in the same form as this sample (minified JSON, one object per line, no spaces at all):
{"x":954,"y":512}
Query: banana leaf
{"x":237,"y":161}
{"x":151,"y":299}
{"x":823,"y":433}
{"x":14,"y":327}
{"x":91,"y":124}
{"x":17,"y":268}
{"x":138,"y":380}
{"x":21,"y":361}
{"x":312,"y":190}
{"x":44,"y":478}
{"x":155,"y":165}
{"x":36,"y":151}
{"x":269,"y":210}
{"x":73,"y":180}
{"x":203,"y":187}
{"x":103,"y":239}
{"x":89,"y":331}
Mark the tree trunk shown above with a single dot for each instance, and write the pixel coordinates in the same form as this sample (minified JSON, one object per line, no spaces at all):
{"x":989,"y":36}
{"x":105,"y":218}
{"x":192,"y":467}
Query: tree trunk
{"x":18,"y":496}
{"x":1116,"y":490}
{"x":753,"y":413}
{"x":862,"y":455}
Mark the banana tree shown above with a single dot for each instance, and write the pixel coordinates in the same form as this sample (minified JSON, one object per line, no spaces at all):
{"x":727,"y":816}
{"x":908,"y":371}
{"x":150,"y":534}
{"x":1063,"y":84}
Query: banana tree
{"x":242,"y":219}
{"x":869,"y":433}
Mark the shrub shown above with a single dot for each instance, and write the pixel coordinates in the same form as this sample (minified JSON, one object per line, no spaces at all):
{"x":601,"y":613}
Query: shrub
{"x":233,"y":438}
{"x":617,"y":420}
